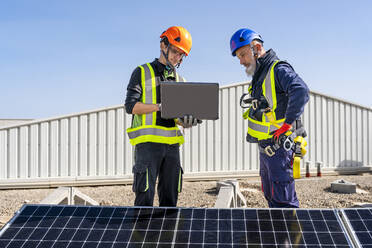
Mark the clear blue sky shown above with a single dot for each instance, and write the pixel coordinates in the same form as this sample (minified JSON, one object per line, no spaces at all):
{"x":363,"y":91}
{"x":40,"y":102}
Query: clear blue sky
{"x":62,"y":57}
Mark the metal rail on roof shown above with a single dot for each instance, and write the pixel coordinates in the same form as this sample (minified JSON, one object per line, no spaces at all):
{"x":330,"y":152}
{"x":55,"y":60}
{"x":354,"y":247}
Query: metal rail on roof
{"x":93,"y":145}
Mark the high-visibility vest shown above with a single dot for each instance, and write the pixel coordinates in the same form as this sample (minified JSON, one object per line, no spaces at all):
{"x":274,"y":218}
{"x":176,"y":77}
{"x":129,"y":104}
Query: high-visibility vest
{"x":144,"y":128}
{"x":262,"y":129}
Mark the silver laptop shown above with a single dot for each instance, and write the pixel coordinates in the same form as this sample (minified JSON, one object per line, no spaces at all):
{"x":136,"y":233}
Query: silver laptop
{"x":197,"y":99}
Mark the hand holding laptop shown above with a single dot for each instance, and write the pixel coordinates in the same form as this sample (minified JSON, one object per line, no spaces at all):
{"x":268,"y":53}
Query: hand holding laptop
{"x":188,"y":121}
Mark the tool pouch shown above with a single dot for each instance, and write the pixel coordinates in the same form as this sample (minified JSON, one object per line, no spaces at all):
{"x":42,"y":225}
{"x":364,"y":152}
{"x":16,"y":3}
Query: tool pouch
{"x":140,"y":178}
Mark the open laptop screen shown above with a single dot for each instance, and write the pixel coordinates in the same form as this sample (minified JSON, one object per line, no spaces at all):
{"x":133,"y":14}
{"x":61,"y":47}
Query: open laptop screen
{"x":197,"y":99}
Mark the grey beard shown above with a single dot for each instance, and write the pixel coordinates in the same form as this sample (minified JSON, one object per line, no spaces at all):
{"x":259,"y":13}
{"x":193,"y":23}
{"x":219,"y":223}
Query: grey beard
{"x":250,"y":70}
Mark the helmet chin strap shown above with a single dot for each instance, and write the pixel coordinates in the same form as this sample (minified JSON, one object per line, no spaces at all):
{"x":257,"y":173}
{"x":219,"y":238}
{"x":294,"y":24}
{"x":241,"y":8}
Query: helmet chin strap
{"x":169,"y":66}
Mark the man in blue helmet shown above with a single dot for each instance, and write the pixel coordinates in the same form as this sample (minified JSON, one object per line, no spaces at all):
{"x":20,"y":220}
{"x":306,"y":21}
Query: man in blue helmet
{"x":278,"y":97}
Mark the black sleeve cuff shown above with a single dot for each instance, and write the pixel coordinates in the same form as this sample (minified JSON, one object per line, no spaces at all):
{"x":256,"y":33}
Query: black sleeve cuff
{"x":129,"y":107}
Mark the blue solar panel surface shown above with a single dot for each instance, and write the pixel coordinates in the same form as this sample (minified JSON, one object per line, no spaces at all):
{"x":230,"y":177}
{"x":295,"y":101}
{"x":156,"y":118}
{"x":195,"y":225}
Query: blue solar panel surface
{"x":97,"y":226}
{"x":361,"y":225}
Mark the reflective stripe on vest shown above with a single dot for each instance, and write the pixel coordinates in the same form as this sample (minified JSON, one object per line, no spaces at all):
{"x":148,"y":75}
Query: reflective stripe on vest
{"x":154,"y":131}
{"x":147,"y":130}
{"x":262,"y":129}
{"x":148,"y":92}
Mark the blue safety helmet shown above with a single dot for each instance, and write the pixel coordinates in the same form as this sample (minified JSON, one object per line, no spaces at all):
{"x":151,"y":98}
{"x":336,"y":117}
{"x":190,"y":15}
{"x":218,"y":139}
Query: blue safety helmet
{"x":241,"y":38}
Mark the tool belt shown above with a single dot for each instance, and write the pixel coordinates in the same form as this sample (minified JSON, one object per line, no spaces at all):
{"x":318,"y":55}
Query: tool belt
{"x":294,"y":141}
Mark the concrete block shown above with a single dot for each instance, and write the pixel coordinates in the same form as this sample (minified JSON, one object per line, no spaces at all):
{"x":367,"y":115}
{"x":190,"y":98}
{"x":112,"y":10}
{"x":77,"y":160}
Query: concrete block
{"x":342,"y":186}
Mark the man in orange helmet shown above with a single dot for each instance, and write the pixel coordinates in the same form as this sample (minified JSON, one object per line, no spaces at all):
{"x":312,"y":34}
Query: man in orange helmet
{"x":156,"y":139}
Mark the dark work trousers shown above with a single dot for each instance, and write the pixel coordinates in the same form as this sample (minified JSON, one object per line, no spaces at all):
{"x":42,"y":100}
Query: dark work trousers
{"x":154,"y":160}
{"x":277,"y":180}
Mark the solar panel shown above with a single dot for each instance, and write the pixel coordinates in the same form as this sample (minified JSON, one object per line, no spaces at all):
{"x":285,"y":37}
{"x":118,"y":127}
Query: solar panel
{"x":98,"y":226}
{"x":360,"y":222}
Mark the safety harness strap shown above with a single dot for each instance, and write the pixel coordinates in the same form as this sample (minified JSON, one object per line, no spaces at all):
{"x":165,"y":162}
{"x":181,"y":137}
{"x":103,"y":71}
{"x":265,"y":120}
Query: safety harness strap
{"x":262,"y":129}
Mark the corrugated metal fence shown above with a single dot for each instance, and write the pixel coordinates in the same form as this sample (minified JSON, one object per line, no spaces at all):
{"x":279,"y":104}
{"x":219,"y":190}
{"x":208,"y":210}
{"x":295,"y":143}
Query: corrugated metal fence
{"x":94,"y":146}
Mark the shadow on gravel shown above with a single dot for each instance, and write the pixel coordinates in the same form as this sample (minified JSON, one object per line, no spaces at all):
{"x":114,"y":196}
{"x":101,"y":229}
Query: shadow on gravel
{"x":328,"y":189}
{"x":212,"y":191}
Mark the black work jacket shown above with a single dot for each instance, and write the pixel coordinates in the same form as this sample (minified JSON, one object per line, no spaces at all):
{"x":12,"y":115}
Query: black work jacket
{"x":134,"y":91}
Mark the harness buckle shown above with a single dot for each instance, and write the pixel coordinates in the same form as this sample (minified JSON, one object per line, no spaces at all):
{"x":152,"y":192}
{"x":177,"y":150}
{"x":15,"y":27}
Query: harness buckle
{"x":245,"y":101}
{"x":254,"y":104}
{"x":287,"y":144}
{"x":269,"y":151}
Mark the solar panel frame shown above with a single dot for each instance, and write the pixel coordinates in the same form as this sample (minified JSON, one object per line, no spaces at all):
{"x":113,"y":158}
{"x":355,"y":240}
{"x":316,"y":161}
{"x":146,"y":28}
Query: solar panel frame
{"x":98,"y":226}
{"x":359,"y":224}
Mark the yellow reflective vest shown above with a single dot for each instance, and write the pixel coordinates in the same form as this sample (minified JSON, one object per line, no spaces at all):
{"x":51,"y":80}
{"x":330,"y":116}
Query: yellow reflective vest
{"x":262,"y":129}
{"x":144,"y":128}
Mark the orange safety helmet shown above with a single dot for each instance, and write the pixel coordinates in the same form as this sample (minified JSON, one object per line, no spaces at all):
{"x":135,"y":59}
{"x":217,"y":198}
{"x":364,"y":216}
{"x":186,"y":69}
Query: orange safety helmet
{"x":178,"y":37}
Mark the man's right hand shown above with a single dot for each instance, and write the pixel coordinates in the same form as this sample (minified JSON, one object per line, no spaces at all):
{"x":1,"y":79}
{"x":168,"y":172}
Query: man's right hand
{"x":145,"y":108}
